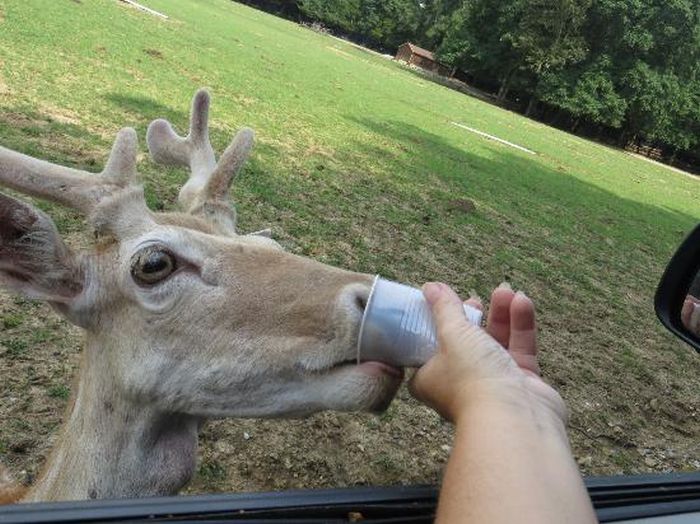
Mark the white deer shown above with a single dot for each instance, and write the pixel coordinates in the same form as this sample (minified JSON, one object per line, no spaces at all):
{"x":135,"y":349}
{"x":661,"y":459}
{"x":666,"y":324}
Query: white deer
{"x":185,"y":319}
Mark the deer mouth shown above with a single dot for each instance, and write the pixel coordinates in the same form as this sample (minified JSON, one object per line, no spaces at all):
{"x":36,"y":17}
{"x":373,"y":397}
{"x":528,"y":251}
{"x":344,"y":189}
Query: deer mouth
{"x":369,"y":367}
{"x":375,"y":368}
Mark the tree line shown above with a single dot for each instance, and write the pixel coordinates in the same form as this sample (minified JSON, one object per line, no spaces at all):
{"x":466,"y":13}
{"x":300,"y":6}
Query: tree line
{"x":626,"y":71}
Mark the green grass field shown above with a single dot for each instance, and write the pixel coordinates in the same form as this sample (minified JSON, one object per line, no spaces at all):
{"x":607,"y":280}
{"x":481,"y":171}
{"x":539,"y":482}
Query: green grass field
{"x":358,"y":164}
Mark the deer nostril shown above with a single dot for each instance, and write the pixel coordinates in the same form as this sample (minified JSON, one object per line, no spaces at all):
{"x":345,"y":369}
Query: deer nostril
{"x":354,"y":299}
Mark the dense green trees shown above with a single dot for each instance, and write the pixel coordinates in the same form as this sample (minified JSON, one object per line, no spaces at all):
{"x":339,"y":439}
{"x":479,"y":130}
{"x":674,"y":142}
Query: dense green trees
{"x":626,"y":69}
{"x":385,"y":24}
{"x":630,"y":65}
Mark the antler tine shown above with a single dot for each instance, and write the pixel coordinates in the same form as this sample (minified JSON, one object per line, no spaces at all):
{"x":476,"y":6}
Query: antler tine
{"x":44,"y":180}
{"x":74,"y":188}
{"x":212,"y":201}
{"x":193,"y":151}
{"x":229,"y":165}
{"x":121,"y":164}
{"x":206,"y":190}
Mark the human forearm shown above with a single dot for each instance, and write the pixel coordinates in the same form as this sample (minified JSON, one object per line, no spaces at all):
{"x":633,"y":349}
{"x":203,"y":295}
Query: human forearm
{"x":511,"y":462}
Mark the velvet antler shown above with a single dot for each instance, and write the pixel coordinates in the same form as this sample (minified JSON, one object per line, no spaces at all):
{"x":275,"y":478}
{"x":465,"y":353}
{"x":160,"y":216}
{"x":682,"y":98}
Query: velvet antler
{"x":206,"y":191}
{"x":74,"y":188}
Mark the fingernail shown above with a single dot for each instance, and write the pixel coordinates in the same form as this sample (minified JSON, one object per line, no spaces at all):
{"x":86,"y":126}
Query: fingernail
{"x":432,"y":291}
{"x":504,"y":285}
{"x":522,"y":295}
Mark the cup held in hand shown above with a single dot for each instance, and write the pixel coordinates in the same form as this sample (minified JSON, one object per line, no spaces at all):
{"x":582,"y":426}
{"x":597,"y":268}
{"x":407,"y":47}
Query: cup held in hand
{"x":398,"y":327}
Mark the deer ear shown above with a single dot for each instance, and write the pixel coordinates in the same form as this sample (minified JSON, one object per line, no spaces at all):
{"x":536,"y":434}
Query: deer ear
{"x":34,"y":260}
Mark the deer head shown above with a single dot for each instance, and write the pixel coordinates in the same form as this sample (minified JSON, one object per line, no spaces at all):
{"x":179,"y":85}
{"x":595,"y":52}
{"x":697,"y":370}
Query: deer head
{"x":183,"y":315}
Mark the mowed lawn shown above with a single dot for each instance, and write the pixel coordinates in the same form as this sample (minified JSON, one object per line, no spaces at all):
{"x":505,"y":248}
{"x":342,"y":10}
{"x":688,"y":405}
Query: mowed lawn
{"x":358,"y":164}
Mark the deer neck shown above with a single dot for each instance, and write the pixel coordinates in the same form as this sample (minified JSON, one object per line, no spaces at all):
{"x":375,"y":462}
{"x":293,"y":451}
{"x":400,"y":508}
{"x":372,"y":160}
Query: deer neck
{"x":109,"y":447}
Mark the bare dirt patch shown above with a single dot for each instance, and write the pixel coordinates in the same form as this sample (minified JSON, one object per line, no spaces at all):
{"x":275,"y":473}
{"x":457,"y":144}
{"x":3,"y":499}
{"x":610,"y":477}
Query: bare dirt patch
{"x":154,"y":53}
{"x":340,"y":52}
{"x":57,"y":130}
{"x":38,"y":353}
{"x":17,"y":118}
{"x":245,"y":101}
{"x":462,"y":204}
{"x":61,"y":114}
{"x":408,"y":444}
{"x":4,"y":88}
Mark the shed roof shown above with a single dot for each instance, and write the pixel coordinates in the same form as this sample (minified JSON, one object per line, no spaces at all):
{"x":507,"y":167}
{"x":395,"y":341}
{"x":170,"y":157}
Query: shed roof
{"x":421,"y":52}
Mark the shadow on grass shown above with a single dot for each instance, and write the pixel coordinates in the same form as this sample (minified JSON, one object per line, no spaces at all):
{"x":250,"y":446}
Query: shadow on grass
{"x":41,"y":135}
{"x":456,"y":85}
{"x":145,"y":110}
{"x":72,"y":145}
{"x":520,"y":184}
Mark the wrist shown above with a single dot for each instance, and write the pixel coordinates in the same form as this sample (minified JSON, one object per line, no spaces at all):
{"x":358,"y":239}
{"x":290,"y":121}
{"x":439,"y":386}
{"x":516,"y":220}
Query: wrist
{"x":522,"y":397}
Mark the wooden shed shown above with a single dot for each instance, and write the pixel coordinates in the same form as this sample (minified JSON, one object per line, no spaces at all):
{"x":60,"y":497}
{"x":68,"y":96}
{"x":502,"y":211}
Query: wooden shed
{"x":419,"y":57}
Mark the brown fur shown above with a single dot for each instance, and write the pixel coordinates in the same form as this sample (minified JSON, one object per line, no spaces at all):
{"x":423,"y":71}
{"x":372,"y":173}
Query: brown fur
{"x":10,"y":492}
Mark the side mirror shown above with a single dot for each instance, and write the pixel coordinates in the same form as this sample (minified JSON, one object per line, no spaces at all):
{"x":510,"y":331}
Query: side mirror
{"x":677,"y":301}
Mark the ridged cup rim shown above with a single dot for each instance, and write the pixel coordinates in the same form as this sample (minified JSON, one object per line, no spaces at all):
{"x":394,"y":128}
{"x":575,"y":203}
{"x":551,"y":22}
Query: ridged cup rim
{"x":364,"y":316}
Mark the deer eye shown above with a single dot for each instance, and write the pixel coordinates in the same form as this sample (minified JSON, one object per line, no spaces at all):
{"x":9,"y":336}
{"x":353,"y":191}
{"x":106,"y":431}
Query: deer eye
{"x":152,"y":265}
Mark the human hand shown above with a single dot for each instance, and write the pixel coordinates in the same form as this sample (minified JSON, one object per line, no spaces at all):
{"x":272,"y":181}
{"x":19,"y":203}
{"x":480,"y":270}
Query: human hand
{"x":499,"y":363}
{"x":690,"y":314}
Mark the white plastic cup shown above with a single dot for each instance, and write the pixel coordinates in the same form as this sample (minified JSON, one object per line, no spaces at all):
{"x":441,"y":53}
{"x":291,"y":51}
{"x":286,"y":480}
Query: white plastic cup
{"x":397,"y":326}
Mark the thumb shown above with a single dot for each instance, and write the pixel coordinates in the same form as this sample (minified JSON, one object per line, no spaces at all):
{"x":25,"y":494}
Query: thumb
{"x":446,"y":307}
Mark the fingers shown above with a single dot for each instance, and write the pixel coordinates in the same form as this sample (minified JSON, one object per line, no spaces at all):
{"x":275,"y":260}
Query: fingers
{"x":498,"y":320}
{"x":686,"y":311}
{"x":690,"y":315}
{"x":414,"y":387}
{"x":511,"y":320}
{"x":475,"y":302}
{"x":415,"y":384}
{"x":446,"y":307}
{"x":522,"y":343}
{"x":695,"y":320}
{"x":422,"y":393}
